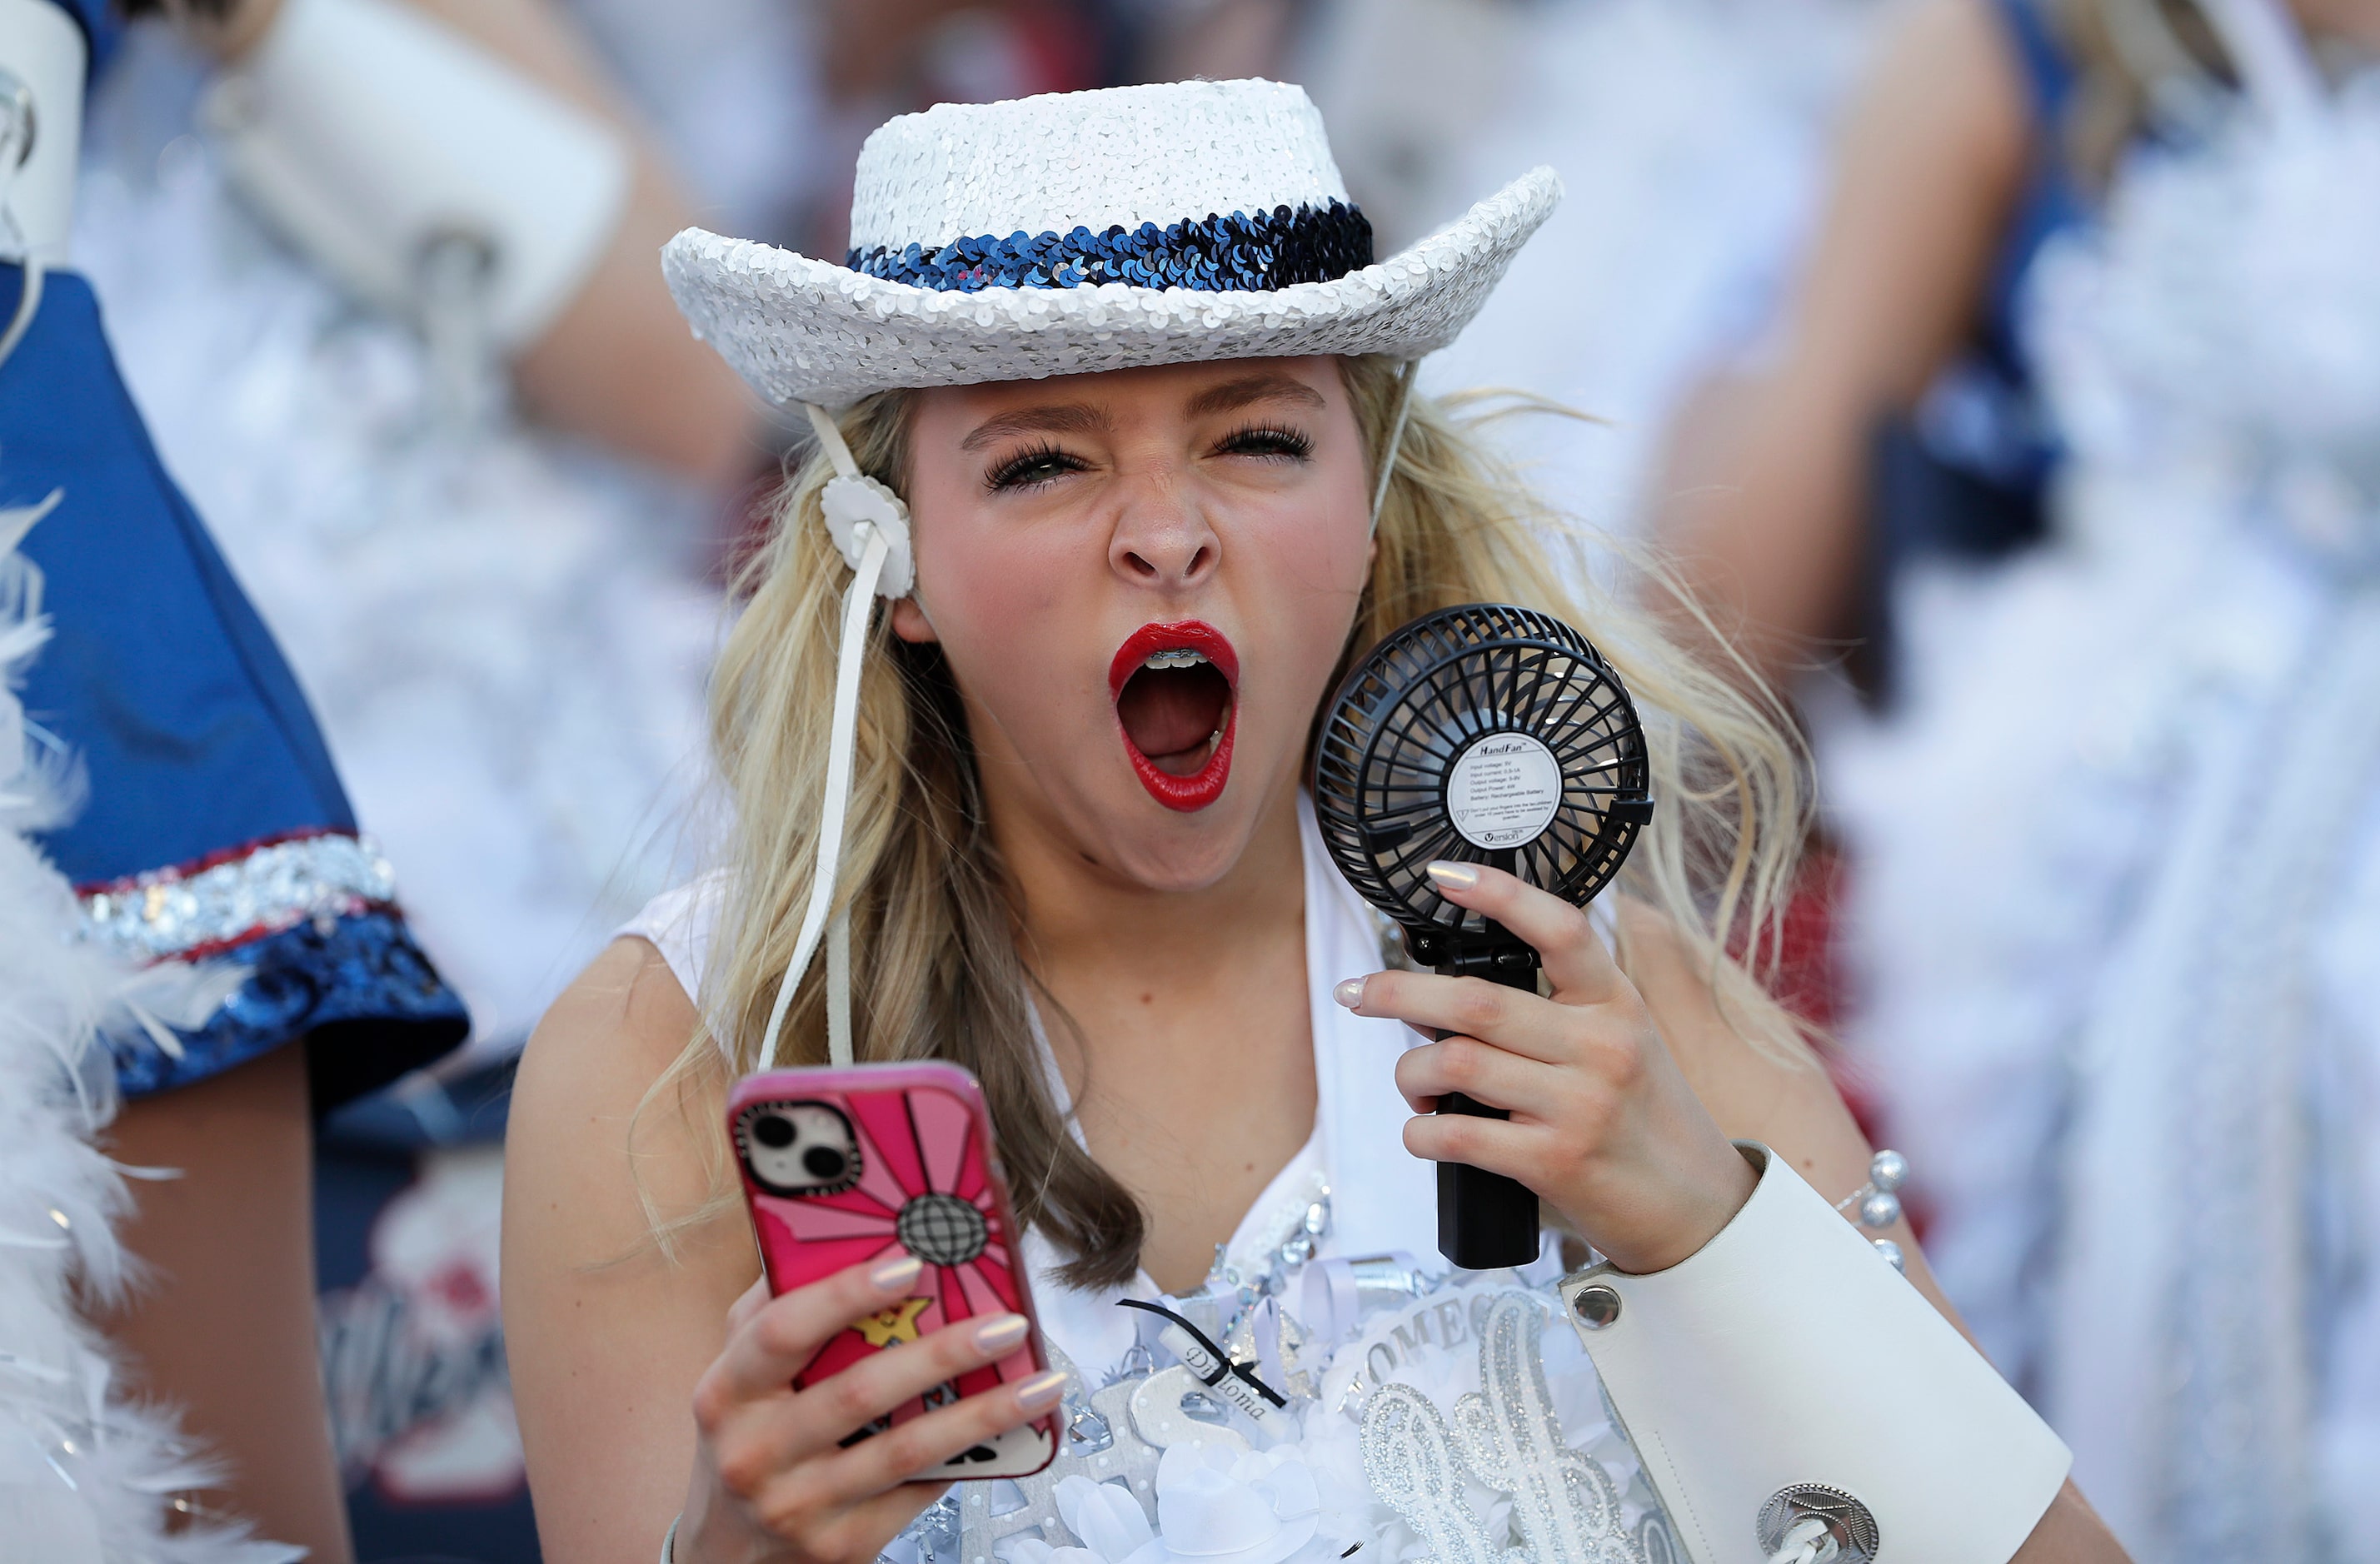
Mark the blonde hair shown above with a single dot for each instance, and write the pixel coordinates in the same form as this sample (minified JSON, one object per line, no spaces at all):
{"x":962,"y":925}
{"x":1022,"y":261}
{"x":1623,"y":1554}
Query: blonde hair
{"x":936,"y":968}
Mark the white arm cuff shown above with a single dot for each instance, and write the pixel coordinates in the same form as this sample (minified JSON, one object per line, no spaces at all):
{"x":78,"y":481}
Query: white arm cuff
{"x":43,"y":51}
{"x":1788,"y":1355}
{"x":368,"y":132}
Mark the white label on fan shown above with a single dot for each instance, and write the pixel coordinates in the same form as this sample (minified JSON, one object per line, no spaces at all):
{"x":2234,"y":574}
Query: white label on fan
{"x":1503,"y":791}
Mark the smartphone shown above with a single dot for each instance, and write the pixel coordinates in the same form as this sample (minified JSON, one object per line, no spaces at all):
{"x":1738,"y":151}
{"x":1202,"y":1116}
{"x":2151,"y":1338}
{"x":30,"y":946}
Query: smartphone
{"x":846,"y":1166}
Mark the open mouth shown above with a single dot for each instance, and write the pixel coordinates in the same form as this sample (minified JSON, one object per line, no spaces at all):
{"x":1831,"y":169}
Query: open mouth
{"x":1174,"y":688}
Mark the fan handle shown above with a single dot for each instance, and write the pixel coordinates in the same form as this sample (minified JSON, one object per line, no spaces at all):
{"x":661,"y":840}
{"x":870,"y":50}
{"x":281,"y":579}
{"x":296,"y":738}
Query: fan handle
{"x":1486,"y":1220}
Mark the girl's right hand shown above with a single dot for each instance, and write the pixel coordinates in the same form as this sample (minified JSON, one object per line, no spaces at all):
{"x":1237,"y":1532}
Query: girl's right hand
{"x":772,"y":1479}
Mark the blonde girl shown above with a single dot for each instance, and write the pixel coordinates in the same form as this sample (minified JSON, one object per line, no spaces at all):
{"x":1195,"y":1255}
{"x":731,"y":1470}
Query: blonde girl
{"x":1160,"y":476}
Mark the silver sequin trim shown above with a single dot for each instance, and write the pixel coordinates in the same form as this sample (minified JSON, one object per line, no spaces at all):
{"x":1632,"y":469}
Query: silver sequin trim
{"x":165,"y":914}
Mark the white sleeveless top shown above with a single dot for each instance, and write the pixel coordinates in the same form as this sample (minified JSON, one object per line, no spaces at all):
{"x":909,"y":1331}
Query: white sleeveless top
{"x":1382,"y":1197}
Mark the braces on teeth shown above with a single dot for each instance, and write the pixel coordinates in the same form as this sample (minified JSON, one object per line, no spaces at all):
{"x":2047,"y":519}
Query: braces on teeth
{"x":1184,"y":658}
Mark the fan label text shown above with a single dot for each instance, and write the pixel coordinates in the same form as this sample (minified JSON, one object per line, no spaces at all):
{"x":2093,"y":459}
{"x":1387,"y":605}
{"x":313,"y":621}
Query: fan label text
{"x":1503,"y":791}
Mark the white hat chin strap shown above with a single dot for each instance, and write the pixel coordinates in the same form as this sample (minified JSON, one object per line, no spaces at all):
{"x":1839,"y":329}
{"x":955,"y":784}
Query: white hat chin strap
{"x":1396,"y":439}
{"x":856,"y":505}
{"x":870,"y":526}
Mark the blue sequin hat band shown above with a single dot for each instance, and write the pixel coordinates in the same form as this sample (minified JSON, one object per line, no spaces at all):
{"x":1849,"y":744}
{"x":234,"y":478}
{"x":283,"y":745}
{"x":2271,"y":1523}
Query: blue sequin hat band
{"x":1077,"y":233}
{"x":1233,"y":253}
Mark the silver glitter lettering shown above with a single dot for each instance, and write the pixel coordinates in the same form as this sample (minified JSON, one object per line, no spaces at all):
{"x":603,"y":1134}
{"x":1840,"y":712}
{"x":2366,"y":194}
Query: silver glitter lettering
{"x":1414,"y":1469}
{"x":1563,"y":1502}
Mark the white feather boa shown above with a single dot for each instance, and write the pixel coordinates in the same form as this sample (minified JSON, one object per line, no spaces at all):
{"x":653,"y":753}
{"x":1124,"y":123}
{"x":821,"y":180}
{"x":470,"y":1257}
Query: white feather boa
{"x":87,"y":1474}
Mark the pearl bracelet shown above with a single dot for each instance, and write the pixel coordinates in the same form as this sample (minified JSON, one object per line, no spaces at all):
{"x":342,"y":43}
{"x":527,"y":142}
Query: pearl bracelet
{"x":1878,"y":1201}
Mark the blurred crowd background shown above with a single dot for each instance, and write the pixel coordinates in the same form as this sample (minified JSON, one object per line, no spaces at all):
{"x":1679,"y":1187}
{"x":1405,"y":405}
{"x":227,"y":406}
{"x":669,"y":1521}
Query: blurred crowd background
{"x":1997,"y":376}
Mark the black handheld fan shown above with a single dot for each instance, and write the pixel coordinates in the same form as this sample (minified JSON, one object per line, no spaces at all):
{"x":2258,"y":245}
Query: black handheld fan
{"x":1489,"y":735}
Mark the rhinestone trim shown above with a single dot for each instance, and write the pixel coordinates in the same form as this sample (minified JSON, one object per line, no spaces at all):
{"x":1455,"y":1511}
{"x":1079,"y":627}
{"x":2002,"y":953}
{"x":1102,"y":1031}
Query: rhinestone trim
{"x":189,"y":911}
{"x":1233,"y":254}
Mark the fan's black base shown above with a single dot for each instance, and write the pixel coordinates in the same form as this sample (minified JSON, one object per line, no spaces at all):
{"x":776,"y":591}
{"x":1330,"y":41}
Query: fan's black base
{"x":1485,"y":1220}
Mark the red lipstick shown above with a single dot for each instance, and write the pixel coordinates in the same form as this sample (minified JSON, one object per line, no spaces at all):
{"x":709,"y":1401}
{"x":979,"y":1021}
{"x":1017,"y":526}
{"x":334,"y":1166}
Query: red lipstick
{"x":1202,"y":787}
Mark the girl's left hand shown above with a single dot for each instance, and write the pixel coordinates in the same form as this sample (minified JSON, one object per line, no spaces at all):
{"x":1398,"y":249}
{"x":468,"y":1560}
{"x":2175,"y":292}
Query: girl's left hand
{"x":1604,"y":1126}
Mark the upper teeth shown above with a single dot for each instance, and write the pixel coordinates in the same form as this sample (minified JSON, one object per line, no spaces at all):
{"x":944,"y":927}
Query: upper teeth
{"x":1183,"y":658}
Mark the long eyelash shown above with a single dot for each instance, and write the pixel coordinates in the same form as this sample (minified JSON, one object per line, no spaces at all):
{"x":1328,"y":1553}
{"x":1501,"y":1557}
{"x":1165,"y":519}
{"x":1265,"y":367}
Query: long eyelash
{"x":1276,"y":441}
{"x":1011,"y":473}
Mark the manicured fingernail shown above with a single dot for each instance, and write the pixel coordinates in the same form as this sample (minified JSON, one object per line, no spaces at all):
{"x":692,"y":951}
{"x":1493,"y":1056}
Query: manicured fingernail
{"x":1043,"y":1390}
{"x":1350,"y":993}
{"x":1002,"y":1335}
{"x":1454,"y":876}
{"x":895,"y":1275}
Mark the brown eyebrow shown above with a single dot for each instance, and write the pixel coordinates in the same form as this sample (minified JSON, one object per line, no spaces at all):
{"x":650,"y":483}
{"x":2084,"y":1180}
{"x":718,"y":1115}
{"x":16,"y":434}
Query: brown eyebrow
{"x":1068,"y":418}
{"x":1236,"y":394}
{"x":1076,"y":418}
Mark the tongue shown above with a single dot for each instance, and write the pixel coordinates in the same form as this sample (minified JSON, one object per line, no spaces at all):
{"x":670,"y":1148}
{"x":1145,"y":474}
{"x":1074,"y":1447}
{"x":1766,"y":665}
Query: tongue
{"x":1169,"y":713}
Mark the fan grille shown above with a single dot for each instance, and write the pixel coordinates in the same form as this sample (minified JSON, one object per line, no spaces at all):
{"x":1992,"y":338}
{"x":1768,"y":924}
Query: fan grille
{"x":1421,"y":701}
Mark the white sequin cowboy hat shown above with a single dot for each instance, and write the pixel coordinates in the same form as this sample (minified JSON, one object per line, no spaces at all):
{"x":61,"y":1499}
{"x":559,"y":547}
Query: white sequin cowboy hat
{"x":1087,"y":231}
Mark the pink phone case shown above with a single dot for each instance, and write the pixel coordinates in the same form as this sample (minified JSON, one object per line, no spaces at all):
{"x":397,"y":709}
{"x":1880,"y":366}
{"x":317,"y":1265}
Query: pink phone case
{"x":843,"y":1166}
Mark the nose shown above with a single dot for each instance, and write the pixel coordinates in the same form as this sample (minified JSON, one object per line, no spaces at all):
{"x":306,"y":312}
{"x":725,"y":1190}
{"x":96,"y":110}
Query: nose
{"x":1162,"y":537}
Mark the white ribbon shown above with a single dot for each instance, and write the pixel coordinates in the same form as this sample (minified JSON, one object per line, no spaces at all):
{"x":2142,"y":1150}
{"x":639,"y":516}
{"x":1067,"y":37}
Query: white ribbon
{"x":872,"y":536}
{"x":855,"y":503}
{"x":1396,"y":439}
